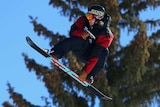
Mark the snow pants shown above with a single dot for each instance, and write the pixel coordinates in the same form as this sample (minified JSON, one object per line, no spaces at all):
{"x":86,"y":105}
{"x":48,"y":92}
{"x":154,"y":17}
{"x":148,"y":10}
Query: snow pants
{"x":82,"y":50}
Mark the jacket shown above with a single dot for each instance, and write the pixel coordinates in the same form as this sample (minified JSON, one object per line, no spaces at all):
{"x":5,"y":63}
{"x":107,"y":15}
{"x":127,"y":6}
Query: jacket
{"x":103,"y":40}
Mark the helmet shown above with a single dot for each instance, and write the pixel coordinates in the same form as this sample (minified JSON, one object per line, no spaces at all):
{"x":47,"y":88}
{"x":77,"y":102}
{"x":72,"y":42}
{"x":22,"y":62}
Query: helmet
{"x":98,"y":11}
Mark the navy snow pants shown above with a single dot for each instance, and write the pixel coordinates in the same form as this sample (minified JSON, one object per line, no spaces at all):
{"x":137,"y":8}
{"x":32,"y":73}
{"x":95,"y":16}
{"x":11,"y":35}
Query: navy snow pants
{"x":82,"y":50}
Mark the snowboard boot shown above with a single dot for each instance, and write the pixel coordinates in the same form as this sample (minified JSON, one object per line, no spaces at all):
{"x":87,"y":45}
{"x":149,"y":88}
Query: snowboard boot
{"x":83,"y":76}
{"x":50,"y":53}
{"x":53,"y":54}
{"x":90,"y":79}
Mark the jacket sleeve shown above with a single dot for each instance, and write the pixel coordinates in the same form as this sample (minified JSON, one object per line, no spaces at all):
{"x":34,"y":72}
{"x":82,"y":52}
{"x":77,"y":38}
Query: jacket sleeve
{"x":78,"y":27}
{"x":102,"y":42}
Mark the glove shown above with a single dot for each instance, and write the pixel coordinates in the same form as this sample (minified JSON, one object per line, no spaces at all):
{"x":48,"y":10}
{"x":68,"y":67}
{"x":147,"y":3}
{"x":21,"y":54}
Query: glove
{"x":83,"y":76}
{"x":108,"y":30}
{"x":85,"y":35}
{"x":107,"y":20}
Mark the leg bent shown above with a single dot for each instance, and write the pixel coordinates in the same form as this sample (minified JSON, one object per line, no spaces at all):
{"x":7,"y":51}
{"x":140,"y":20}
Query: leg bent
{"x":68,"y":44}
{"x":100,"y":64}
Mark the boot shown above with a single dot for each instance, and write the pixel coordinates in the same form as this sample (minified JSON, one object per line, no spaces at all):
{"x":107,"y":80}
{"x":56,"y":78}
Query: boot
{"x":90,"y":79}
{"x":53,"y":54}
{"x":50,"y":53}
{"x":83,"y":76}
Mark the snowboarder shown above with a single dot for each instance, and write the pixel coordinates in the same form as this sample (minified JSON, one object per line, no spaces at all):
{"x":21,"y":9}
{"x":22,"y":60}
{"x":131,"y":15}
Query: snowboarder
{"x":91,"y":51}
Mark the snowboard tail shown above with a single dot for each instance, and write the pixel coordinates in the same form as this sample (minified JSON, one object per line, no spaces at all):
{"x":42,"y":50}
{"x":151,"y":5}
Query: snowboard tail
{"x":67,"y":70}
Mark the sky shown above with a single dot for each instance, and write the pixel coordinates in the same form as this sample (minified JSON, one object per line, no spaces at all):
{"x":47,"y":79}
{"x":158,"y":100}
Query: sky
{"x":15,"y":26}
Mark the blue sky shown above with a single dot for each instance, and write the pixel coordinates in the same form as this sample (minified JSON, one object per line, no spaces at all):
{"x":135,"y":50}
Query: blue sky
{"x":15,"y":26}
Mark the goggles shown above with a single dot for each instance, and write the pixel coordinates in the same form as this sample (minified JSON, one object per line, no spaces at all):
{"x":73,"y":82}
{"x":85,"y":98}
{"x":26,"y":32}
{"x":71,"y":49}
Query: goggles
{"x":92,"y":16}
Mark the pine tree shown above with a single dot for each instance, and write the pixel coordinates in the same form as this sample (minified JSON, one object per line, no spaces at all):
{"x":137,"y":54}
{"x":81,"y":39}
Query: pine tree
{"x":132,"y":77}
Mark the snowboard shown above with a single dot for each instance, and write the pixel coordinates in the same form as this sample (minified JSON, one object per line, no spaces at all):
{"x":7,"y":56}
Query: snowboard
{"x":67,"y":70}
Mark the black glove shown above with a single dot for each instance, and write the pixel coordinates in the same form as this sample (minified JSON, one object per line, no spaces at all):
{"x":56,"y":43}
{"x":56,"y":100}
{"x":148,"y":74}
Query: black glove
{"x":107,"y":20}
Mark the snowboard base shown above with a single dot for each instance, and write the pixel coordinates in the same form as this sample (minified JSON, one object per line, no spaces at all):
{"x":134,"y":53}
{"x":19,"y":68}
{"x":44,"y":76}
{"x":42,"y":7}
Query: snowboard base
{"x":67,"y":70}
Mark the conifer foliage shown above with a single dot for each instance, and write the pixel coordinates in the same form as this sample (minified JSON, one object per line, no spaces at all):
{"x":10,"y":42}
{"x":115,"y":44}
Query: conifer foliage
{"x":133,"y":72}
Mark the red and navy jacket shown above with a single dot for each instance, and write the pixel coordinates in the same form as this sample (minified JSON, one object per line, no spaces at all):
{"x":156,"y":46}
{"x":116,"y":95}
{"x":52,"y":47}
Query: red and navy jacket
{"x":103,"y":40}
